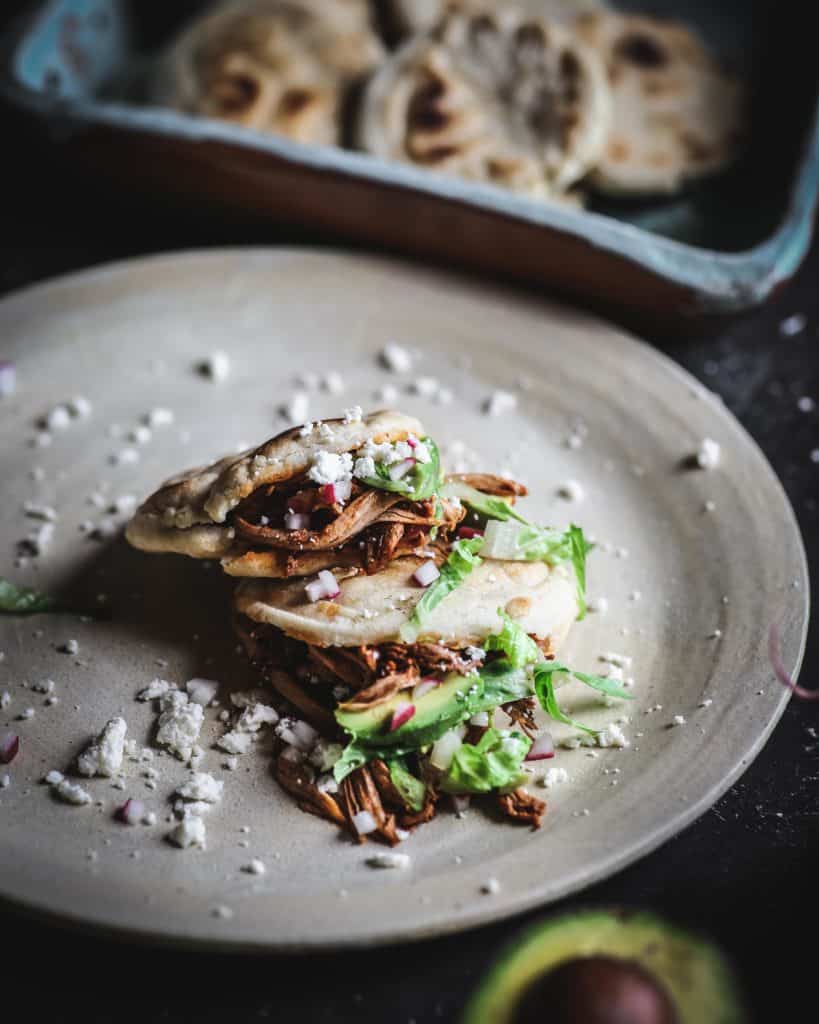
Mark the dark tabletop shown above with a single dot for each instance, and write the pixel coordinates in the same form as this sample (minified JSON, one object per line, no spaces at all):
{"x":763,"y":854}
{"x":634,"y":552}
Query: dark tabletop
{"x":745,"y":873}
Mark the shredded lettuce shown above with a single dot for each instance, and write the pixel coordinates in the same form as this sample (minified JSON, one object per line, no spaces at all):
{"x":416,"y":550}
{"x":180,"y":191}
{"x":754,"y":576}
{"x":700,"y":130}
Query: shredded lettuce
{"x":494,"y":763}
{"x":412,"y":790}
{"x":422,"y":481}
{"x":527,"y":543}
{"x":488,"y":505}
{"x":580,"y":547}
{"x":16,"y":600}
{"x":462,"y":559}
{"x":544,"y":679}
{"x":519,"y":648}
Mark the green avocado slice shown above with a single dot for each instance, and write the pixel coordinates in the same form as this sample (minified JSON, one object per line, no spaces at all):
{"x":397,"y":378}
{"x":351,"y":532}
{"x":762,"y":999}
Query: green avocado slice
{"x":436,"y":712}
{"x":691,"y":974}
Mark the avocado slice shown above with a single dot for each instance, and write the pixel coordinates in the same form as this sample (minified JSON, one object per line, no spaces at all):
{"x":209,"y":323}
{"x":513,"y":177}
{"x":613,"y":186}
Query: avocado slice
{"x":435,"y":713}
{"x":569,"y":967}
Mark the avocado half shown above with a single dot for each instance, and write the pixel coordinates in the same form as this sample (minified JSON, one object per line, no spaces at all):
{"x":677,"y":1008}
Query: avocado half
{"x":600,"y":965}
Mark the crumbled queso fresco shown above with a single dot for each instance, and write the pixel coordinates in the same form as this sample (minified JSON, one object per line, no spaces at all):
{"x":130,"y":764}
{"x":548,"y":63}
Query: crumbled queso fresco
{"x":334,"y":468}
{"x":104,"y":755}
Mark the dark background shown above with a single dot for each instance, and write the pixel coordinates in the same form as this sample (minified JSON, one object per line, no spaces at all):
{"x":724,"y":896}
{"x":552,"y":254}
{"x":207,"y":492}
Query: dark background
{"x":745,"y":873}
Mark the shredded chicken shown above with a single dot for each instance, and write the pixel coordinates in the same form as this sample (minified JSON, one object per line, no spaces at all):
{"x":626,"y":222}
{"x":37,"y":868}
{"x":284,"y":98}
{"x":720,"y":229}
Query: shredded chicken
{"x":380,"y":545}
{"x":381,"y":690}
{"x":522,"y":806}
{"x":390,"y":796}
{"x":354,"y":517}
{"x":297,"y":778}
{"x":488,"y":483}
{"x":359,"y":793}
{"x":409,"y":819}
{"x":522,"y":713}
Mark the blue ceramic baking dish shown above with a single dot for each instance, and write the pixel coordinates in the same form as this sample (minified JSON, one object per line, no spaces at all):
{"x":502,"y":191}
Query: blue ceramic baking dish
{"x":723,"y":246}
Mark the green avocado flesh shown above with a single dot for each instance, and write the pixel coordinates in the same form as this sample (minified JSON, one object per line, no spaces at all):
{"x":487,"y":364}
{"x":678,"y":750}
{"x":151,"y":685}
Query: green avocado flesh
{"x":435,"y":713}
{"x":690,"y":972}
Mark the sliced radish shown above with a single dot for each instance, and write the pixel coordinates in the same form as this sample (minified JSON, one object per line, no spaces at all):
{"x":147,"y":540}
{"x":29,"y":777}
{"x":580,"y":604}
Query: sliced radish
{"x":426,"y":573}
{"x":131,"y":812}
{"x":403,"y":713}
{"x":542,"y":748}
{"x":468,"y":532}
{"x":412,"y":441}
{"x":339,"y":491}
{"x":324,"y":588}
{"x":444,"y":748}
{"x":9,"y":746}
{"x":400,"y":469}
{"x":297,"y":521}
{"x":461,"y":804}
{"x":480,"y":718}
{"x":364,"y":823}
{"x":330,"y":583}
{"x":424,"y":687}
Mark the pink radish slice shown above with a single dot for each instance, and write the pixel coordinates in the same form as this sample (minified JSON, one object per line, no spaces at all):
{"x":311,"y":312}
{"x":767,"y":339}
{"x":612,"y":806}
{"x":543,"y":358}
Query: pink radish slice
{"x":131,"y":812}
{"x":296,"y":521}
{"x":424,"y":687}
{"x":426,"y":573}
{"x":9,"y":746}
{"x":781,"y":673}
{"x":468,"y":532}
{"x":403,"y":713}
{"x":412,"y":441}
{"x":542,"y":748}
{"x":400,"y":469}
{"x":338,"y":492}
{"x":324,"y":588}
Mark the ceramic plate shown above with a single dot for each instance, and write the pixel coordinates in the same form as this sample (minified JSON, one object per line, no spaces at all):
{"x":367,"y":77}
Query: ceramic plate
{"x":693,"y":565}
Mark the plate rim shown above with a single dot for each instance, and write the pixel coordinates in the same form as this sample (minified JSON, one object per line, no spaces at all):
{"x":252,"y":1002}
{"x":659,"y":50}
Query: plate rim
{"x":481,"y":912}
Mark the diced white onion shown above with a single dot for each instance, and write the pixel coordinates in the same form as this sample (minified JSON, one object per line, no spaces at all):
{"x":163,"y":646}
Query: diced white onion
{"x":296,"y":521}
{"x":325,"y":587}
{"x":400,"y":469}
{"x":461,"y":804}
{"x":443,"y":750}
{"x":364,"y":823}
{"x":480,"y":718}
{"x":305,"y":734}
{"x":426,"y":573}
{"x":8,"y":378}
{"x":501,"y":540}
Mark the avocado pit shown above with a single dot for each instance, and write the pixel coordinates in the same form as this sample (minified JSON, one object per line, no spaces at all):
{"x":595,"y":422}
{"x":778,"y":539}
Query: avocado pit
{"x":596,"y":990}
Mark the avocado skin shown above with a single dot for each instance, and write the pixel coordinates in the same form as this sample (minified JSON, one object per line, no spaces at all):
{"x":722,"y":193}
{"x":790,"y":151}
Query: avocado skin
{"x":689,"y":970}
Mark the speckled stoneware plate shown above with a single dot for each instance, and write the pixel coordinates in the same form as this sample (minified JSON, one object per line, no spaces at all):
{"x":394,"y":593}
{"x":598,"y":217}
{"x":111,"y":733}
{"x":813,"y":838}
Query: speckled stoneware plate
{"x":682,"y":554}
